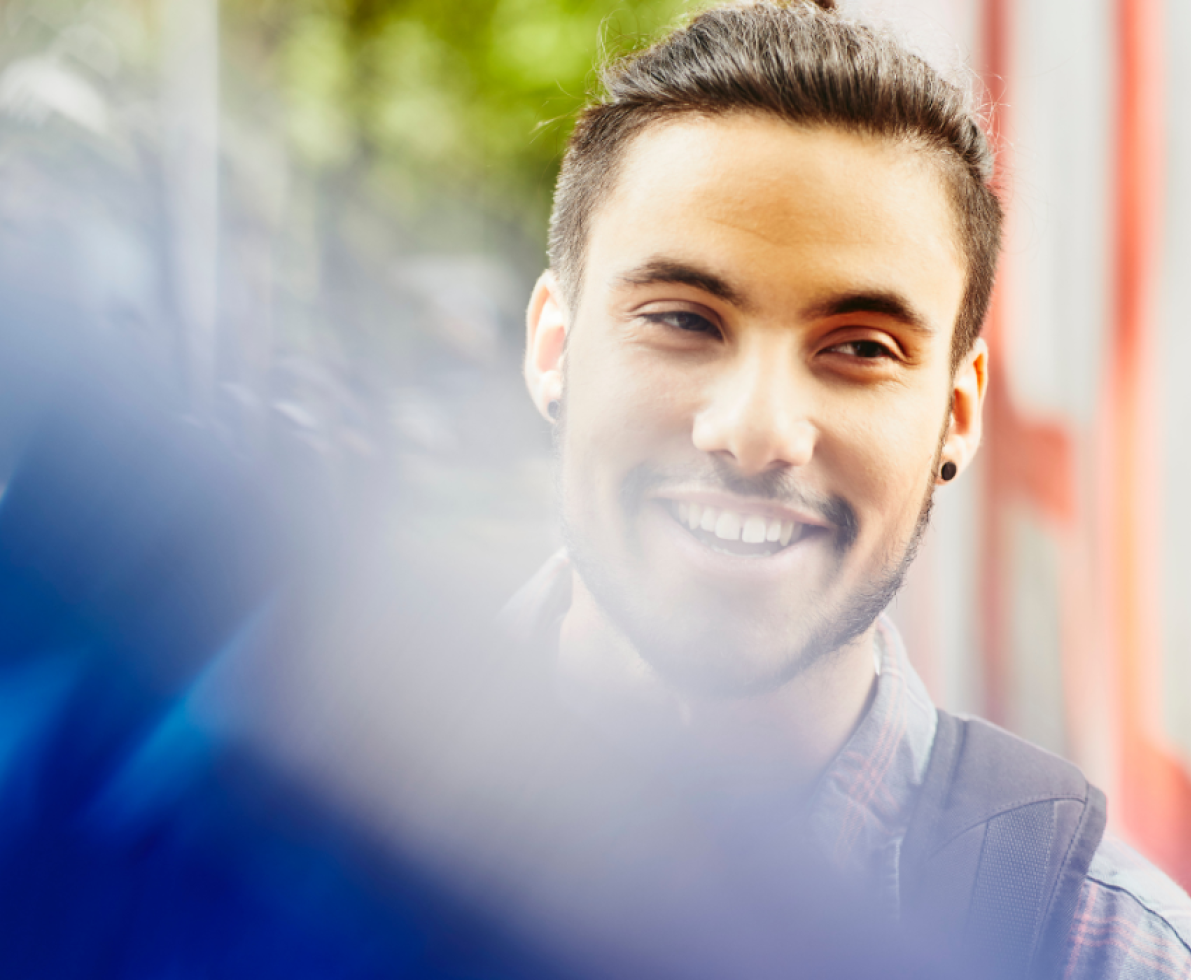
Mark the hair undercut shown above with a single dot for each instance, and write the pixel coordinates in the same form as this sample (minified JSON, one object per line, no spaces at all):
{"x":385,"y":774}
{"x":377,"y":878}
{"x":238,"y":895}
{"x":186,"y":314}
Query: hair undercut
{"x":801,"y":61}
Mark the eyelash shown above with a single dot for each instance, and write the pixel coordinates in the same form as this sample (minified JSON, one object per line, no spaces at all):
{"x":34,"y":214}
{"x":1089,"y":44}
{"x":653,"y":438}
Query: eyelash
{"x":878,"y":349}
{"x":701,"y":325}
{"x":667,"y":319}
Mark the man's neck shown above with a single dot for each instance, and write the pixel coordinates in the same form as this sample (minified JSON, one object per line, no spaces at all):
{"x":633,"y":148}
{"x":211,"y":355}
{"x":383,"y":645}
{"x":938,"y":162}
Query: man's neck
{"x":782,"y":739}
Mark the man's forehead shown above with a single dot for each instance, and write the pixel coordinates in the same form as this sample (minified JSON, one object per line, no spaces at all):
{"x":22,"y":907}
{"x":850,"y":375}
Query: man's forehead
{"x":768,"y":197}
{"x":755,"y":167}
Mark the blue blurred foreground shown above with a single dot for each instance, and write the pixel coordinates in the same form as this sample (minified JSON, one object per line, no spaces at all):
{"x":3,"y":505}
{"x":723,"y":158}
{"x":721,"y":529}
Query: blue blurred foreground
{"x":137,"y":560}
{"x":240,"y":736}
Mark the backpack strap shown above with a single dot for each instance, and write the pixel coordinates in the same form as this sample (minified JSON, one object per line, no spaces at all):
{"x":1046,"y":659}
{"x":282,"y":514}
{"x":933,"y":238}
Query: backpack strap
{"x":998,"y":847}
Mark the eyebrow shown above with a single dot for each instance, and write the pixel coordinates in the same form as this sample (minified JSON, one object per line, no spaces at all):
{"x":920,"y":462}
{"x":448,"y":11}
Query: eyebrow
{"x":881,"y":302}
{"x":878,"y":301}
{"x":667,"y":271}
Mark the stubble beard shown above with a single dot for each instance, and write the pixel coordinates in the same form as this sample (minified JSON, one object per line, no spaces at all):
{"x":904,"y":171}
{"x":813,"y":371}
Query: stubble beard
{"x":704,"y":664}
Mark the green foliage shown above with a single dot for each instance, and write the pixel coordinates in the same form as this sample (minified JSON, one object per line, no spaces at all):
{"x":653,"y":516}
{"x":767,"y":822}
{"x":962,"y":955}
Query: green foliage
{"x":423,"y":99}
{"x":317,"y":75}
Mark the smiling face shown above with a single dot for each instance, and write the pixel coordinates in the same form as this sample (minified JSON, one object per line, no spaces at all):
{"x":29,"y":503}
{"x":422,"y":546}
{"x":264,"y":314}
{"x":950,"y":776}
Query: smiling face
{"x":757,"y":391}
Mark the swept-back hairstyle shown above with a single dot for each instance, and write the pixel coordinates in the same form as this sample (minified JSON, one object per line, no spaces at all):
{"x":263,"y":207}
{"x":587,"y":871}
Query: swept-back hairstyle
{"x":801,"y":61}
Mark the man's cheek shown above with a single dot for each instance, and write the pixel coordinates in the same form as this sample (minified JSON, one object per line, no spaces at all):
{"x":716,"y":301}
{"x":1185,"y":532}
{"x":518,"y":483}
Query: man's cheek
{"x":621,"y":420}
{"x":888,"y":448}
{"x":885,"y":477}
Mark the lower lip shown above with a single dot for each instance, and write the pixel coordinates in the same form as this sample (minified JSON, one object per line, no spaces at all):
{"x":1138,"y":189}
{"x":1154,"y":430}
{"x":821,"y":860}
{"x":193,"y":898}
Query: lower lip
{"x":708,"y":560}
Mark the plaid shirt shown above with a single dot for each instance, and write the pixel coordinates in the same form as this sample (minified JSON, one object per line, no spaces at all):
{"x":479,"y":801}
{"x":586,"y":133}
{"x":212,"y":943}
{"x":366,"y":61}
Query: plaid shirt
{"x":1132,"y":921}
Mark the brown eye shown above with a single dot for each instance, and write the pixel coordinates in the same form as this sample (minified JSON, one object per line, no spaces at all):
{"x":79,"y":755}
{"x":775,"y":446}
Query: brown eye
{"x":864,"y":349}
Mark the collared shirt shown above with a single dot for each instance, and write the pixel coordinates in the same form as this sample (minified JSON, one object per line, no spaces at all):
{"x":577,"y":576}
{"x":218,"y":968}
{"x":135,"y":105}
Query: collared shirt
{"x":1132,"y":922}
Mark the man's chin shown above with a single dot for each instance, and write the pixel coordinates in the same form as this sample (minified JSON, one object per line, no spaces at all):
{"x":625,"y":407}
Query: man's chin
{"x":717,"y":647}
{"x":707,"y":645}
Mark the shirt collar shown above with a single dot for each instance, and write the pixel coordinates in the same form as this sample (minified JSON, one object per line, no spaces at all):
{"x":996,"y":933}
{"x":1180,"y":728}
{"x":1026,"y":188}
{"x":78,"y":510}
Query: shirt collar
{"x":862,"y":805}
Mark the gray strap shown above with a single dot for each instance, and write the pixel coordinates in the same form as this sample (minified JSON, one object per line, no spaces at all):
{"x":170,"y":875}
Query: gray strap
{"x":998,"y":847}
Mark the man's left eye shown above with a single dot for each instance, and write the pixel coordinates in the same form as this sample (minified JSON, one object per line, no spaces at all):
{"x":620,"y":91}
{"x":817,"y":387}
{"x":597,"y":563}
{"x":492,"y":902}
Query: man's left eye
{"x":682,"y":320}
{"x":865,"y":349}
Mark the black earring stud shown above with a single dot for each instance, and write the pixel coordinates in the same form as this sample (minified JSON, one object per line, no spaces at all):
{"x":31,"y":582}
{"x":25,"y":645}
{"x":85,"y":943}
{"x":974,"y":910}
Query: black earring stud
{"x":552,"y":408}
{"x":948,"y":471}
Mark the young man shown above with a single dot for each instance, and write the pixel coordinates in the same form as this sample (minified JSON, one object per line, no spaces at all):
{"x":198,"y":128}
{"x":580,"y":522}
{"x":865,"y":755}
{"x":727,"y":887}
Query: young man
{"x":772,"y":249}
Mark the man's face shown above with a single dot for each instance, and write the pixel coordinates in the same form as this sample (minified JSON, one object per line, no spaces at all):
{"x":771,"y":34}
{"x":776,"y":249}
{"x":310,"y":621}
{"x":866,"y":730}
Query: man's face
{"x":756,"y":383}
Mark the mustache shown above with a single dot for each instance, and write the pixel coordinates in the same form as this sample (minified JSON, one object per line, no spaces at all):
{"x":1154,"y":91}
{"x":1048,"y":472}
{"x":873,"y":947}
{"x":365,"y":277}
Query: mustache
{"x":778,"y":486}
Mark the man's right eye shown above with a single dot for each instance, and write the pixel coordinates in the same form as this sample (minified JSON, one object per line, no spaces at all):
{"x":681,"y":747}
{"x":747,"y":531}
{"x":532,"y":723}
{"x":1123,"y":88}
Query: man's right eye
{"x":683,"y":320}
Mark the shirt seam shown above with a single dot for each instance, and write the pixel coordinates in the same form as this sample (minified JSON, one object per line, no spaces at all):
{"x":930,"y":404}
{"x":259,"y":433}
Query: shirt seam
{"x":1120,"y":889}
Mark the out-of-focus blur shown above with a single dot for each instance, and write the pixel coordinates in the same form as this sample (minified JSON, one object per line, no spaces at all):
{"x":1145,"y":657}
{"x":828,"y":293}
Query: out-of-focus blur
{"x":270,"y":473}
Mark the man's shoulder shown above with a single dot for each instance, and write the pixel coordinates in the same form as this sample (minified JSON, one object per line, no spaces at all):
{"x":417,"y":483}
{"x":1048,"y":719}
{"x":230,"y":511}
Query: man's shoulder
{"x":1132,"y":920}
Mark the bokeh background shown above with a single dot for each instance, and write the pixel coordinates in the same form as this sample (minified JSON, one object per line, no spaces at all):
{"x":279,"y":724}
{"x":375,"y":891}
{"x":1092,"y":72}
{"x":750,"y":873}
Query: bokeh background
{"x":316,"y":222}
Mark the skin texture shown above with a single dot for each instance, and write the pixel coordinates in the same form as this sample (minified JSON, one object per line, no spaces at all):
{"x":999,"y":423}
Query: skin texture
{"x":765,"y":325}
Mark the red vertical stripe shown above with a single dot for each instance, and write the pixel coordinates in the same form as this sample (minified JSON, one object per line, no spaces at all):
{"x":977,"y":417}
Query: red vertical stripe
{"x":994,"y":605}
{"x":1155,"y":790}
{"x":1031,"y":462}
{"x":1025,"y":460}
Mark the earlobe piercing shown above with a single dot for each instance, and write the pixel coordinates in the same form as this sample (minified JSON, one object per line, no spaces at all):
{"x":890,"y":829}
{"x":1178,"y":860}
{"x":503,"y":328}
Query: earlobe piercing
{"x":948,"y":471}
{"x":552,"y":409}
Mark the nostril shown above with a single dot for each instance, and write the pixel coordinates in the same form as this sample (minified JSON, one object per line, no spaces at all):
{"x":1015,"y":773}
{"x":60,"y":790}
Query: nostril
{"x":756,"y":441}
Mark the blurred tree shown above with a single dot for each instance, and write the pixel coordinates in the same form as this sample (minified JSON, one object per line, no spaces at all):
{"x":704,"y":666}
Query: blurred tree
{"x":425,"y":102}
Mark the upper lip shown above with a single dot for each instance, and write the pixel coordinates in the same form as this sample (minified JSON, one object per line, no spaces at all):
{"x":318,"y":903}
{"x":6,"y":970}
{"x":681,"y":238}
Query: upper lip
{"x":746,"y":506}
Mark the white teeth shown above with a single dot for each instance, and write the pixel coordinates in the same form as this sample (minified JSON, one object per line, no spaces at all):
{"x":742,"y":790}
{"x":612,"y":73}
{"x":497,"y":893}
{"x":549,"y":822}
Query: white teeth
{"x":728,"y":526}
{"x":753,"y":531}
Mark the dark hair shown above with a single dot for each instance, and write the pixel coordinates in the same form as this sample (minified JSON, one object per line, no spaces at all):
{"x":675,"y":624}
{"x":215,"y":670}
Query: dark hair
{"x":799,"y":61}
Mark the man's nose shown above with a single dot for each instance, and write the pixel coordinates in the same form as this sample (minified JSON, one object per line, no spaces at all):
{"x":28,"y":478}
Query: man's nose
{"x":758,"y":414}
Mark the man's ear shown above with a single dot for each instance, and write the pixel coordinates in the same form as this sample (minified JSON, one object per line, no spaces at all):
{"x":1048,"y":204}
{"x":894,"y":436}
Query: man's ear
{"x":546,"y":323}
{"x":967,"y":409}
